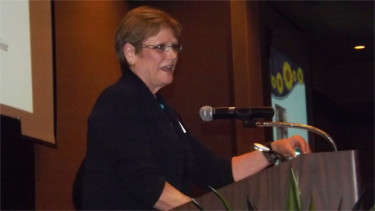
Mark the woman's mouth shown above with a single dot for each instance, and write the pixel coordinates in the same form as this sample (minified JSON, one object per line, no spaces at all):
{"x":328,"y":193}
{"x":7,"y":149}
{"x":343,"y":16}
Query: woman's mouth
{"x":168,"y":68}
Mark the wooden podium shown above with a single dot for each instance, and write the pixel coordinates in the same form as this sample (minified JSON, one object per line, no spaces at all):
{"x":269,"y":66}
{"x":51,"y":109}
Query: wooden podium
{"x":329,"y":178}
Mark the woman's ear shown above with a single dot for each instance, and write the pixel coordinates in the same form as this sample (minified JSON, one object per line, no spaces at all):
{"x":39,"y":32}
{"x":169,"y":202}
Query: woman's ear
{"x":129,"y":53}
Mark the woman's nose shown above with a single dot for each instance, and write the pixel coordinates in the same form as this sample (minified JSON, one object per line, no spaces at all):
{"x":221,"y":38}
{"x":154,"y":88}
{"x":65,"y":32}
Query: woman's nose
{"x":171,"y":53}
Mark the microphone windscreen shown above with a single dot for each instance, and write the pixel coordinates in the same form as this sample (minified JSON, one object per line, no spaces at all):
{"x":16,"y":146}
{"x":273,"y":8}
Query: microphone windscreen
{"x":206,"y":113}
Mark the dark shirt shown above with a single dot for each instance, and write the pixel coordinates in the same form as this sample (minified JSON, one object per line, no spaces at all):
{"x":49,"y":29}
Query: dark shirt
{"x":135,"y":143}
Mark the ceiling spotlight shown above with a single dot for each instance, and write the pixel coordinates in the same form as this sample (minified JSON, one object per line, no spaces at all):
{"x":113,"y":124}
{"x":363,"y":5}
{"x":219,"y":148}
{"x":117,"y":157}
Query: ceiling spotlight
{"x":359,"y":47}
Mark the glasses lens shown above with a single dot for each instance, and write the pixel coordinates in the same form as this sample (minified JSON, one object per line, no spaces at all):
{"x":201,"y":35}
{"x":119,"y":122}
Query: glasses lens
{"x":162,"y":47}
{"x":177,"y":47}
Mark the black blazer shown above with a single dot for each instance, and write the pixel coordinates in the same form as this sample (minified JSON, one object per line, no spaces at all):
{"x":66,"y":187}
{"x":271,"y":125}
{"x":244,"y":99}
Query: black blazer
{"x":135,"y":143}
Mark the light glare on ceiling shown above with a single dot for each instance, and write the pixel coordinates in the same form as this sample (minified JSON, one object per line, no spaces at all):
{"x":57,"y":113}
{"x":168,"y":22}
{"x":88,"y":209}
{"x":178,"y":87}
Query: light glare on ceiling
{"x":359,"y":47}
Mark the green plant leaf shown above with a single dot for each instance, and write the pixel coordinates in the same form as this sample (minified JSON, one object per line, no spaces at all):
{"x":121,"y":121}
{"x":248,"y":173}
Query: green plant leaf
{"x":340,"y":205}
{"x":197,"y":204}
{"x":311,"y":204}
{"x":221,"y":197}
{"x":293,"y":201}
{"x":250,"y":206}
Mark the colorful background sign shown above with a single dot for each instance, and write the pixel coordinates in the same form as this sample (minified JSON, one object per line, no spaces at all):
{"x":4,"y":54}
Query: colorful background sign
{"x":288,"y":95}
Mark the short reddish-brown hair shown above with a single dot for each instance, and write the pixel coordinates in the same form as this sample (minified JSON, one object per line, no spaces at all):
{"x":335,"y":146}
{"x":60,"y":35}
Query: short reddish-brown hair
{"x":138,"y":25}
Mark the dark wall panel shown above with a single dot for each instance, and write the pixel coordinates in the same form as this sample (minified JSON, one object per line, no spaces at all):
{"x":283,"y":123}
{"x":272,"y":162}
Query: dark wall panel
{"x":17,"y":167}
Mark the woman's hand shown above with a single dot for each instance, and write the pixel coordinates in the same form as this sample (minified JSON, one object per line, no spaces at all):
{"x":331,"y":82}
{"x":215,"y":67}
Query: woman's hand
{"x":287,"y":147}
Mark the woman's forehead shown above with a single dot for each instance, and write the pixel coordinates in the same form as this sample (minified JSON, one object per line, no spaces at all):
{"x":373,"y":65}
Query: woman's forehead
{"x":164,"y":35}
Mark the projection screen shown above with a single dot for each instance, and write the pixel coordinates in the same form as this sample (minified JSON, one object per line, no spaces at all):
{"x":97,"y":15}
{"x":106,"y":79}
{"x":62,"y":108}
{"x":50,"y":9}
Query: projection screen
{"x":27,"y":73}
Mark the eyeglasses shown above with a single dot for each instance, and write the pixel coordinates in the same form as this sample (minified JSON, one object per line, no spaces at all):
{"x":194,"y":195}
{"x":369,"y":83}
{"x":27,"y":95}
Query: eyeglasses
{"x":164,"y":48}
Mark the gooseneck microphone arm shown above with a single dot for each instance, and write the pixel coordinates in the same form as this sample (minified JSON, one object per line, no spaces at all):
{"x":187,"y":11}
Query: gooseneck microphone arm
{"x":248,"y":117}
{"x":292,"y":125}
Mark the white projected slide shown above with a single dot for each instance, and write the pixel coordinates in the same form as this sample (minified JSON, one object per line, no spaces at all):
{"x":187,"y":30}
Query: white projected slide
{"x":26,"y":79}
{"x":16,"y":83}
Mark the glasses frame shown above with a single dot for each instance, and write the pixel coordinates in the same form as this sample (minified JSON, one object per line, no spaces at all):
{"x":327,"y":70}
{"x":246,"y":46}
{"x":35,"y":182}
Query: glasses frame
{"x":177,"y":47}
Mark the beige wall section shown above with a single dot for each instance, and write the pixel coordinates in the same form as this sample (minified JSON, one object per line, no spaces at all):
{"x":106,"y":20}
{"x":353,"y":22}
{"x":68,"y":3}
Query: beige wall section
{"x":85,"y":64}
{"x":203,"y":75}
{"x":247,"y":73}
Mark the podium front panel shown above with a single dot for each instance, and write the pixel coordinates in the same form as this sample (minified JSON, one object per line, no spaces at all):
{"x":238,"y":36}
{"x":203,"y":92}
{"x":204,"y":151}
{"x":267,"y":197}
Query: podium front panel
{"x":330,"y":179}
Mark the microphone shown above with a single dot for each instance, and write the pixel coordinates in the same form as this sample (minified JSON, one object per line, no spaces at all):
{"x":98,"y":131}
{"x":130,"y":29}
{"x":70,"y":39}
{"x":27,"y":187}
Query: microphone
{"x":208,"y":113}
